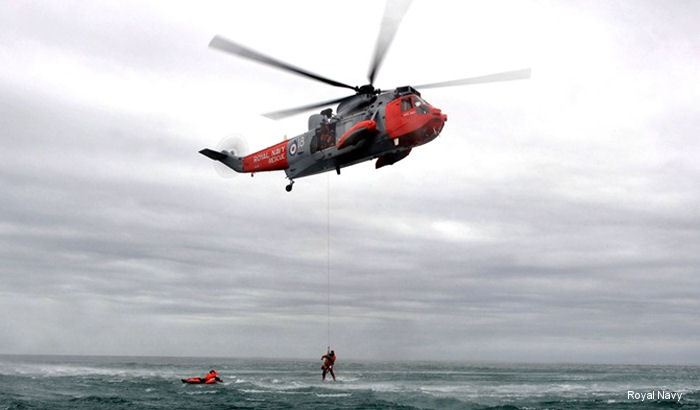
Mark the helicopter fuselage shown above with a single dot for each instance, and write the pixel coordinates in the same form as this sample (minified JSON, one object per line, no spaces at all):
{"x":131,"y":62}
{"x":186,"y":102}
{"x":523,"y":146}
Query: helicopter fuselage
{"x":386,"y":126}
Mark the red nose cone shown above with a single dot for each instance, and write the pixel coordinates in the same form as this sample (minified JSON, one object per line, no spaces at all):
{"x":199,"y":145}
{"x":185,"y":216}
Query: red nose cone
{"x":437,"y":113}
{"x":410,"y":126}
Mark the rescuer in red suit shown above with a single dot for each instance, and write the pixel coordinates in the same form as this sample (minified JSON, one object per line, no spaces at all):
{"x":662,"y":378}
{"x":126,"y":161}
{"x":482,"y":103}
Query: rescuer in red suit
{"x":327,"y":367}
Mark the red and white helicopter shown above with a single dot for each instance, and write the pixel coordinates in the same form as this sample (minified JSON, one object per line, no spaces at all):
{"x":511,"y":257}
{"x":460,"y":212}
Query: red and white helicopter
{"x":371,"y":123}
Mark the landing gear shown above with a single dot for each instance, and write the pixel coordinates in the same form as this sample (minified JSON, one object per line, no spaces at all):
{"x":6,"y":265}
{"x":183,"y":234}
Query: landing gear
{"x":289,"y":186}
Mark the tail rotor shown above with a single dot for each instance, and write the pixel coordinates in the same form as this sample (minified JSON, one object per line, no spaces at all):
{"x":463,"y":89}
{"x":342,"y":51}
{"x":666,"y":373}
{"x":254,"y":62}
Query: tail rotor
{"x":234,"y":144}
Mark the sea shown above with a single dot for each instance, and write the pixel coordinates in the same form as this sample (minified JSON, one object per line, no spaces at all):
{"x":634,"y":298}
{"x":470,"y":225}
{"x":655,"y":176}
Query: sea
{"x":88,"y":382}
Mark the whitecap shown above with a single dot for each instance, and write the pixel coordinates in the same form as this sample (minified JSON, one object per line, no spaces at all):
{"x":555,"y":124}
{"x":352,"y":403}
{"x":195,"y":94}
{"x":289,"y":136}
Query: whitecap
{"x":193,"y":393}
{"x":333,"y":394}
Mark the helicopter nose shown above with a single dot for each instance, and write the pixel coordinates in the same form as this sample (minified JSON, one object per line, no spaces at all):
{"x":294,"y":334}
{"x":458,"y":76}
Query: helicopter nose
{"x":438,"y":119}
{"x":434,"y":124}
{"x":437,"y":113}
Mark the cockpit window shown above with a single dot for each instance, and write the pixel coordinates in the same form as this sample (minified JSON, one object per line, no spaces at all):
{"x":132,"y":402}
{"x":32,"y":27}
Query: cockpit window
{"x":406,"y":104}
{"x":421,"y":105}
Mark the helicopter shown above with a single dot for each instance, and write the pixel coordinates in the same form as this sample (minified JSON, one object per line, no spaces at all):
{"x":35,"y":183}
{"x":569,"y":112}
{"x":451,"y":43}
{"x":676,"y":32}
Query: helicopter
{"x":369,"y":124}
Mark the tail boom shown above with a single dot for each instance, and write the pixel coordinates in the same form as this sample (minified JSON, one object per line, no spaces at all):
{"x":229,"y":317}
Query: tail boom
{"x":272,"y":158}
{"x":269,"y":159}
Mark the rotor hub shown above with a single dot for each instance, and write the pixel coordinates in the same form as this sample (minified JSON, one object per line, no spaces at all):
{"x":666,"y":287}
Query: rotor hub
{"x":367,"y":89}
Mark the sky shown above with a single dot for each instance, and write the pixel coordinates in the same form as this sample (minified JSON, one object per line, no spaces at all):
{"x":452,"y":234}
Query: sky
{"x":554,"y":219}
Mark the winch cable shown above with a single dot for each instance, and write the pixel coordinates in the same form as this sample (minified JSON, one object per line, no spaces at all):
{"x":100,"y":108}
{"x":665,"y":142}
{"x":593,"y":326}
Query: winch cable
{"x":328,"y":253}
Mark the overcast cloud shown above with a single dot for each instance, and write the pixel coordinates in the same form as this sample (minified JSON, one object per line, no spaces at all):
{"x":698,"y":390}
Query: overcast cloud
{"x":555,"y":219}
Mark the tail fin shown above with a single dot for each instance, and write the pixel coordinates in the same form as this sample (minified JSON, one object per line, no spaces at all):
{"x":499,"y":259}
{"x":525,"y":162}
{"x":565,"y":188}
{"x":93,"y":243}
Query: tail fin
{"x":235,"y":163}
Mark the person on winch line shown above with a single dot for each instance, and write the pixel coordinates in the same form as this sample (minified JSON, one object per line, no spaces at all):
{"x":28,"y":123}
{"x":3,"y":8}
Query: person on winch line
{"x":327,"y":367}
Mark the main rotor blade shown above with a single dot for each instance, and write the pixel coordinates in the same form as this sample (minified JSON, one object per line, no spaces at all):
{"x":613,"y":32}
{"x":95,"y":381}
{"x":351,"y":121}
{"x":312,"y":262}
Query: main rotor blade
{"x":505,"y":76}
{"x":393,"y":13}
{"x":229,"y":46}
{"x":291,"y":111}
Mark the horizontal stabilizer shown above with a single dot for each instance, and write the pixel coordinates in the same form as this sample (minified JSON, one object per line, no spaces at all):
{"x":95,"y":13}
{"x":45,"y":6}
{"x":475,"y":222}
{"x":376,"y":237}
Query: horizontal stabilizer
{"x":215,"y":155}
{"x":233,"y":162}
